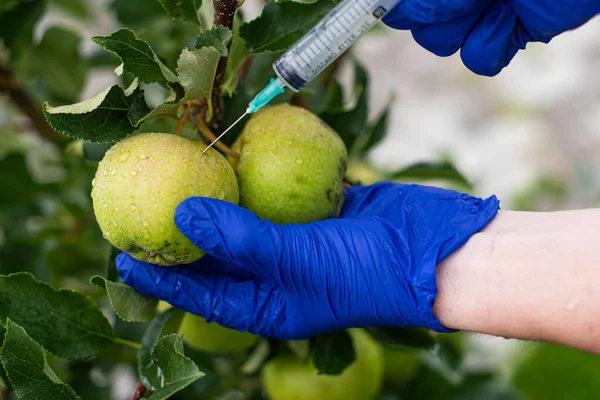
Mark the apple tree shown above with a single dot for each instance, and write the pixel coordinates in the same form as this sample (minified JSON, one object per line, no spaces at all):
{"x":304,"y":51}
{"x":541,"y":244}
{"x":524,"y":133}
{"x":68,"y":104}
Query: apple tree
{"x":71,"y":329}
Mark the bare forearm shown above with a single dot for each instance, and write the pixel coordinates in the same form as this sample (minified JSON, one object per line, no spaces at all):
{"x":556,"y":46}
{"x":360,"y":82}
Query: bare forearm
{"x":531,"y":276}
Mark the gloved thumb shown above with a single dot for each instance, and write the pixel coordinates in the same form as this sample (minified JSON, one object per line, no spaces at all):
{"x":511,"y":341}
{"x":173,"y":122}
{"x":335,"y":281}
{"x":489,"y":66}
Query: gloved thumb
{"x":229,"y":232}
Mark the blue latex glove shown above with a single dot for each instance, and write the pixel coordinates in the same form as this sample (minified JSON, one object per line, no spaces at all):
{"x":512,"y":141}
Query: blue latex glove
{"x":373,"y":266}
{"x":488,"y":32}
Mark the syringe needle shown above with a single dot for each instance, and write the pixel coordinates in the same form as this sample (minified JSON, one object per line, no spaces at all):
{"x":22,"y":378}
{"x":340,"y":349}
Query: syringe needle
{"x":222,"y":134}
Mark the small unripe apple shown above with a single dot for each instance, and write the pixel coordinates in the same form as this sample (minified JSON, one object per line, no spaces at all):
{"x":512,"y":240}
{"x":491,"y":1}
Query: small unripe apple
{"x":140,"y":182}
{"x":291,"y":166}
{"x":211,"y":337}
{"x":286,"y":377}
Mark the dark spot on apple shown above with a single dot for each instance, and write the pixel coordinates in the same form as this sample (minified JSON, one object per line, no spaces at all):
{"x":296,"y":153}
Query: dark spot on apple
{"x":329,"y":194}
{"x":301,"y":179}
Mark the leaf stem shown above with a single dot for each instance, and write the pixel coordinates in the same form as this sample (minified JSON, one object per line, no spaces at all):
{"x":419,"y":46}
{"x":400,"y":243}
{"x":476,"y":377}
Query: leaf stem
{"x":24,"y":101}
{"x":181,"y":120}
{"x":127,"y":343}
{"x":224,"y":16}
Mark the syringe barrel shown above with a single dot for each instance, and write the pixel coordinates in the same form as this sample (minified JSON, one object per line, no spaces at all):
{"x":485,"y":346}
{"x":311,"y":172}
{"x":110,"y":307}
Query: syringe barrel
{"x":327,"y":40}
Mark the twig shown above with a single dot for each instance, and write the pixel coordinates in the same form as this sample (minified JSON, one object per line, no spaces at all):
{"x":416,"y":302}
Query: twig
{"x":140,"y":392}
{"x":208,"y":135}
{"x":22,"y":99}
{"x":224,"y":16}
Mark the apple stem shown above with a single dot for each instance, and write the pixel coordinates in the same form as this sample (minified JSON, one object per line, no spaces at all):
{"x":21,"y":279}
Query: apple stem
{"x":182,"y":119}
{"x":208,"y":135}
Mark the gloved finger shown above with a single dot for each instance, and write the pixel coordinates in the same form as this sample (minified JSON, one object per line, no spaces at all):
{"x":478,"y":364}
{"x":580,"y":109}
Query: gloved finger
{"x":445,"y":39}
{"x":230,"y":233}
{"x":244,"y":305}
{"x":494,"y":41}
{"x":417,"y":14}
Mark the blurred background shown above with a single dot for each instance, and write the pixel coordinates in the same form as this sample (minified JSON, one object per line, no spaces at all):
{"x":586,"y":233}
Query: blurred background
{"x":530,"y":136}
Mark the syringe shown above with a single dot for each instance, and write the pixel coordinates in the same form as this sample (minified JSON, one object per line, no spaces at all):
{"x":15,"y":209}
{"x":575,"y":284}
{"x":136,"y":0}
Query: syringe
{"x":318,"y":48}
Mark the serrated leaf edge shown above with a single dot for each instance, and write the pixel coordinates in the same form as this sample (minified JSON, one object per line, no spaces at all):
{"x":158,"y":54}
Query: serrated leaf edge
{"x":41,"y":347}
{"x":78,"y":293}
{"x":104,"y":285}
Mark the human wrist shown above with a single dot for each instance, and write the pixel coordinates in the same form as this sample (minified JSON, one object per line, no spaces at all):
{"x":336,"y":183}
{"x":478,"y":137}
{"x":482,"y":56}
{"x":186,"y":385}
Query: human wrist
{"x":474,"y":284}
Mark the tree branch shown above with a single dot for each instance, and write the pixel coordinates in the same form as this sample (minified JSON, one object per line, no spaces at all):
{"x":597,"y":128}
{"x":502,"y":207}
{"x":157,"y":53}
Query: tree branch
{"x":224,"y":16}
{"x":19,"y":96}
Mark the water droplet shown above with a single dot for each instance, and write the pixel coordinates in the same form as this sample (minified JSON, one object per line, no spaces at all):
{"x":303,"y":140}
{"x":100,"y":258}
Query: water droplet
{"x":132,"y":206}
{"x":174,"y":190}
{"x":114,"y":223}
{"x":145,"y":223}
{"x":116,"y":208}
{"x":105,"y":172}
{"x":124,"y":156}
{"x":119,"y":179}
{"x":113,"y":172}
{"x":104,"y":205}
{"x":93,"y":181}
{"x":133,"y":173}
{"x":298,"y":160}
{"x":106,"y":234}
{"x":220,"y":194}
{"x":142,"y":156}
{"x":141,"y":168}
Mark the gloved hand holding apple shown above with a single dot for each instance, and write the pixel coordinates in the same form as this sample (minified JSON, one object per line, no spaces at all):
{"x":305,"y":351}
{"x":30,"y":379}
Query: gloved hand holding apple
{"x":289,"y":252}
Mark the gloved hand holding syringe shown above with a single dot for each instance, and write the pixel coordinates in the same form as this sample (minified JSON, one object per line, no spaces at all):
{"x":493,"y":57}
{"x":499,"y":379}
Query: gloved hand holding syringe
{"x":318,"y":48}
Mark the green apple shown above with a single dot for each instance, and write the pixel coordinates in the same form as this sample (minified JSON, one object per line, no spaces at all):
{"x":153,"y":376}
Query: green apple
{"x":211,"y":337}
{"x":291,"y":166}
{"x":139,"y":183}
{"x":289,"y":378}
{"x":401,"y":366}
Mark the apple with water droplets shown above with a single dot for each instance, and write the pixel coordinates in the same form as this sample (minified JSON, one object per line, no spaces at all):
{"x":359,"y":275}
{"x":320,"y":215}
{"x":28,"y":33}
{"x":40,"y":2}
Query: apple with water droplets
{"x":140,"y":182}
{"x":291,"y":166}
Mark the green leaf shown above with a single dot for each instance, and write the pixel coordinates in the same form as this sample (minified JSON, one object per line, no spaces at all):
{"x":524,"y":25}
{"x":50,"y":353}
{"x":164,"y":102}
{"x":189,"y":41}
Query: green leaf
{"x":149,"y":371}
{"x":184,"y":10}
{"x":63,"y":70}
{"x":335,"y":96}
{"x":101,"y":119}
{"x":442,"y":170}
{"x":333,"y":353}
{"x":238,"y":52}
{"x":27,"y":368}
{"x":282,"y":23}
{"x":216,"y":37}
{"x":178,"y":370}
{"x":65,"y":322}
{"x":402,"y":338}
{"x":350,"y":123}
{"x":552,"y":372}
{"x":129,"y":305}
{"x":17,"y":23}
{"x":197,"y":70}
{"x":375,"y":133}
{"x":136,"y":55}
